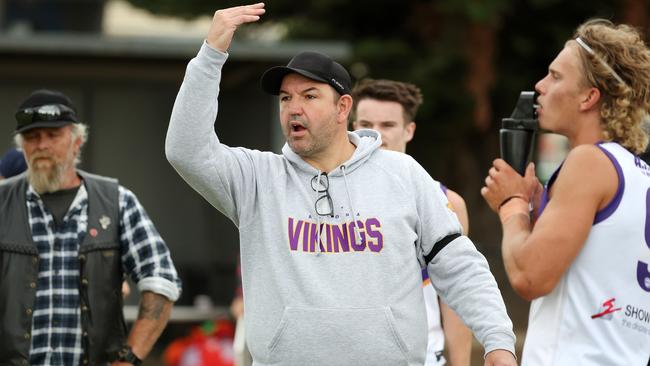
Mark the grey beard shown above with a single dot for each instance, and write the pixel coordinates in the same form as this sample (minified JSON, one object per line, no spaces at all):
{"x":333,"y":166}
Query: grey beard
{"x":46,"y":181}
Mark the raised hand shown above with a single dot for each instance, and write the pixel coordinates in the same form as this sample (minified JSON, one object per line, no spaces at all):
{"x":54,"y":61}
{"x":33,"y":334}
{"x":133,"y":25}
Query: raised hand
{"x":226,"y":21}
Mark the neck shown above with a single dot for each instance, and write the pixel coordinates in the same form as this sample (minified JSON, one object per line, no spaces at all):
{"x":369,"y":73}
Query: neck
{"x":587,"y":133}
{"x":334,"y":156}
{"x":71,"y":179}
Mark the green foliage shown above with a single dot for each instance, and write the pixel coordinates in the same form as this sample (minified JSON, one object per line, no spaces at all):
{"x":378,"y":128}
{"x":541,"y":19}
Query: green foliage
{"x":424,"y":41}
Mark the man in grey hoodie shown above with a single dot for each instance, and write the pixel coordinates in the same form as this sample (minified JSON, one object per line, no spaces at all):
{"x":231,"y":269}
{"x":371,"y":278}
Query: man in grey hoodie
{"x":325,"y":258}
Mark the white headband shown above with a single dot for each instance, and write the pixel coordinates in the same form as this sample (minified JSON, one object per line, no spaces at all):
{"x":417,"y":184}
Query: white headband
{"x":602,"y":62}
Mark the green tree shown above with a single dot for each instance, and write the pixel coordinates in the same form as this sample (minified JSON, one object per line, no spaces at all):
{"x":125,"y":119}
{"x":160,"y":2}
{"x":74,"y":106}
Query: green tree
{"x":471,"y":58}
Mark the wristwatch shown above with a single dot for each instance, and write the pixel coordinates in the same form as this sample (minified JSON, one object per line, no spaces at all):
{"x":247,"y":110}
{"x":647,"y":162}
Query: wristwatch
{"x":127,"y":355}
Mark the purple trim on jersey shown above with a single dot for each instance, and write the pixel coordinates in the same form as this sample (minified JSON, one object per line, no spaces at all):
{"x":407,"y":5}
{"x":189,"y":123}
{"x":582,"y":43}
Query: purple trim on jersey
{"x":647,"y":220}
{"x":611,"y":207}
{"x":608,"y":210}
{"x":443,"y":188}
{"x":544,"y":201}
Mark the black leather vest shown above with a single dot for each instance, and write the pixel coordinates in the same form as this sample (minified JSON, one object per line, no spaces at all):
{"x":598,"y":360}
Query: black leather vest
{"x":102,"y":320}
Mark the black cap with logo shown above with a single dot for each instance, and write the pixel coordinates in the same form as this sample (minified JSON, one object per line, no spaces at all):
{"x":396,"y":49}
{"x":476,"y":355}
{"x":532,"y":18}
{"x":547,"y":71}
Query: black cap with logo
{"x":45,"y":108}
{"x":312,"y":65}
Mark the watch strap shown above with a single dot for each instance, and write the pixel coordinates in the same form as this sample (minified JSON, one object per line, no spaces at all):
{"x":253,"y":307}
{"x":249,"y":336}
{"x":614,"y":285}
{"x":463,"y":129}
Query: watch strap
{"x":127,"y":355}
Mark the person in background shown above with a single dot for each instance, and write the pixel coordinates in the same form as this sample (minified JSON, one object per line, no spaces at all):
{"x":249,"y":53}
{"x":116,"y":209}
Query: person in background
{"x":12,"y":163}
{"x":390,"y":107}
{"x":330,"y":266}
{"x":582,"y":253}
{"x":64,"y":248}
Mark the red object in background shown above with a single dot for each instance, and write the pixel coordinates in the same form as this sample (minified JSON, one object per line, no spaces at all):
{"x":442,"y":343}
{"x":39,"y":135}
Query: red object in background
{"x":207,"y":345}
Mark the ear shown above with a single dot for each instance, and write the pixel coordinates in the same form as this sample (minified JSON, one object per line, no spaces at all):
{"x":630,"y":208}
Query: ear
{"x":77,"y":145}
{"x":410,"y":131}
{"x":590,"y":99}
{"x":343,"y":108}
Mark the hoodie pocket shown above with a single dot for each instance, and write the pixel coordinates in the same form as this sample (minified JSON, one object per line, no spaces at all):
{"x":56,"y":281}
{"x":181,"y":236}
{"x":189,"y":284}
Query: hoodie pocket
{"x":312,"y":336}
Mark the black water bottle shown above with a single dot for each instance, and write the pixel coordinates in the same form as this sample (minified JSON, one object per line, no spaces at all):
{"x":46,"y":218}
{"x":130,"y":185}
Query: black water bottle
{"x":517,"y":132}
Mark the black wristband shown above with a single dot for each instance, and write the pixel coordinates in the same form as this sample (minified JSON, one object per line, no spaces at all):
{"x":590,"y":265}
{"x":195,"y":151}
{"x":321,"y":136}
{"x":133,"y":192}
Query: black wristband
{"x":127,"y":355}
{"x":510,"y":198}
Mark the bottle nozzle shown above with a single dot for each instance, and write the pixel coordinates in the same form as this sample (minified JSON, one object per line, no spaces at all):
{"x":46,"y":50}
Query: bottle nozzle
{"x":524,"y":116}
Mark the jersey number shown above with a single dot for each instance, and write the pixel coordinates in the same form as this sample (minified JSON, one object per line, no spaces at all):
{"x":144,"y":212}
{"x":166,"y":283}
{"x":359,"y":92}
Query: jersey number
{"x":642,"y":272}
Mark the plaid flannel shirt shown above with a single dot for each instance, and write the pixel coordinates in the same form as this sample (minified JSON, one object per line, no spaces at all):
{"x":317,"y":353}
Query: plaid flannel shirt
{"x":56,"y":326}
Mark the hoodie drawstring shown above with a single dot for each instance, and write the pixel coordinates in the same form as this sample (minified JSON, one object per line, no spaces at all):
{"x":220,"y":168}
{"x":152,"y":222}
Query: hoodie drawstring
{"x":357,"y":236}
{"x":318,"y":249}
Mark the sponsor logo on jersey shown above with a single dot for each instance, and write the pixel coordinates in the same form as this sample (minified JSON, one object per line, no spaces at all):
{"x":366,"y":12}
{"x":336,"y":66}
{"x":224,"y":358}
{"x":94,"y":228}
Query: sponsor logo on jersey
{"x":630,"y":316}
{"x":636,"y":313}
{"x":637,"y":319}
{"x":607,"y":308}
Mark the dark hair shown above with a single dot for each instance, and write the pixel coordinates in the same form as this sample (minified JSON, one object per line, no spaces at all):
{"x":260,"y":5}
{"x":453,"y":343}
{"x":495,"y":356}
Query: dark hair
{"x":406,"y":94}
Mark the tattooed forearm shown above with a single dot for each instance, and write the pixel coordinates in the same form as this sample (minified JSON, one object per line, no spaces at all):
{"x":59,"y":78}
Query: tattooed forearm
{"x":152,"y":306}
{"x":153,"y":315}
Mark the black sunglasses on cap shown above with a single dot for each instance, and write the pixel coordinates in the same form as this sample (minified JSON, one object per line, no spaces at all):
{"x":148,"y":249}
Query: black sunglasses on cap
{"x":48,"y":115}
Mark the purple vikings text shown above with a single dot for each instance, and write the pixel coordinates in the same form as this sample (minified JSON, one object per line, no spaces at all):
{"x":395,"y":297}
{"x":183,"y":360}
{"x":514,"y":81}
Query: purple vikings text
{"x":336,"y":238}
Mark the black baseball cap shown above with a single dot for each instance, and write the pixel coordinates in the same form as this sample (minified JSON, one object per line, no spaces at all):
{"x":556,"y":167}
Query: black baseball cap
{"x":312,"y":65}
{"x":45,"y":108}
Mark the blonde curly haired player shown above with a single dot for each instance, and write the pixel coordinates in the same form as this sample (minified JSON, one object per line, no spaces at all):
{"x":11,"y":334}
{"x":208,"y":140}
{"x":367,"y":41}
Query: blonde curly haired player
{"x":581,"y":255}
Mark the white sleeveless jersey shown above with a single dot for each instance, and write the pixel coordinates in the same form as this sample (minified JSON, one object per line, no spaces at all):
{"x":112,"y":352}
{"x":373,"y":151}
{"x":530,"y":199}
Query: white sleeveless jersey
{"x":435,"y":338}
{"x":599,"y":312}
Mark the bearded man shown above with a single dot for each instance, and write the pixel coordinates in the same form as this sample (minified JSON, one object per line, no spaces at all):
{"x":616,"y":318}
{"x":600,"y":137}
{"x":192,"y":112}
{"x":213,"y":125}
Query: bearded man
{"x":67,"y":239}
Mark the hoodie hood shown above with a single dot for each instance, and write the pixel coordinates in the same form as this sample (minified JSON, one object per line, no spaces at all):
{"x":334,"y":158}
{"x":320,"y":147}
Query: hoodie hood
{"x":366,"y":141}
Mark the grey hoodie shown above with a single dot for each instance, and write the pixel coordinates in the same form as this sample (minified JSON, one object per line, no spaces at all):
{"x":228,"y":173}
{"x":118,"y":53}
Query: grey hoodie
{"x":349,"y":294}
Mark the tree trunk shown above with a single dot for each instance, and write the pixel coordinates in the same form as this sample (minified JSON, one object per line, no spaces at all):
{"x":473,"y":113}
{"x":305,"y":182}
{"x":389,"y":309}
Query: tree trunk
{"x":479,"y":50}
